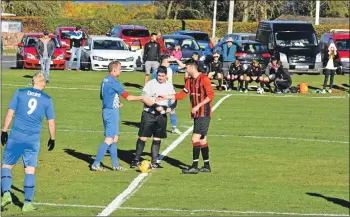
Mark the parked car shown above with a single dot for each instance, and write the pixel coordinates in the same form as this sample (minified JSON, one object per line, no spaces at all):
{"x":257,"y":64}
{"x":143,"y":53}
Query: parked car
{"x":99,"y":51}
{"x":188,"y":46}
{"x":63,"y":35}
{"x":201,"y":37}
{"x":294,"y":43}
{"x":28,"y":58}
{"x":341,"y":39}
{"x":130,"y":33}
{"x":236,"y":37}
{"x":252,"y":50}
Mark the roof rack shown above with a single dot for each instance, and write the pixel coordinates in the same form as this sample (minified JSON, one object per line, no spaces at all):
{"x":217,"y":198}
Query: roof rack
{"x":339,"y":31}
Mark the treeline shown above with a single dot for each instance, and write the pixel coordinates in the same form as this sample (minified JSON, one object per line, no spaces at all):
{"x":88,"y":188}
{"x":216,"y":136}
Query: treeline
{"x":244,"y":11}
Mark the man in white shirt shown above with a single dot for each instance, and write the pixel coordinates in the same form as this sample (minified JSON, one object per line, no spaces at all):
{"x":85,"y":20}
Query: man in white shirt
{"x":154,"y":118}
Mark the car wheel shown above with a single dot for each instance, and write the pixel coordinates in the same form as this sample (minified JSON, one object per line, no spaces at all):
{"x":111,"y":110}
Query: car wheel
{"x":89,"y":65}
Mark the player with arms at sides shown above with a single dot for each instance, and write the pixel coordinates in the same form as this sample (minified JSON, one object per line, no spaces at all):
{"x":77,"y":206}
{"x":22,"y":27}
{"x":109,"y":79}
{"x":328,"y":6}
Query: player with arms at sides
{"x":29,"y":105}
{"x":201,"y":93}
{"x":111,"y":89}
{"x":154,"y":118}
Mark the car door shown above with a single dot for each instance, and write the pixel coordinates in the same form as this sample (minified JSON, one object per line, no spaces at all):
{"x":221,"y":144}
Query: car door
{"x":86,"y":51}
{"x":20,"y":48}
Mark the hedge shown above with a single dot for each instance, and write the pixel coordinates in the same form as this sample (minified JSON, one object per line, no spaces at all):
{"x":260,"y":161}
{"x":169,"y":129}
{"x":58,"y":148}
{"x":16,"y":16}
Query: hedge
{"x":100,"y":27}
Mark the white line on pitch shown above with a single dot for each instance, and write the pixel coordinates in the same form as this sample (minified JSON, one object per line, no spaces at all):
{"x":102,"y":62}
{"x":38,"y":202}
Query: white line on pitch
{"x":132,"y":188}
{"x":219,"y":135}
{"x":219,"y":94}
{"x":191,"y":211}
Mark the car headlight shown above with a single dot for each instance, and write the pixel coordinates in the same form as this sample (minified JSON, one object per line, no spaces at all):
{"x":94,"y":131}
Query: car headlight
{"x":318,"y":57}
{"x":344,"y":59}
{"x":97,"y":58}
{"x":283,"y":57}
{"x":60,"y":57}
{"x":129,"y":59}
{"x":202,"y":58}
{"x":30,"y":56}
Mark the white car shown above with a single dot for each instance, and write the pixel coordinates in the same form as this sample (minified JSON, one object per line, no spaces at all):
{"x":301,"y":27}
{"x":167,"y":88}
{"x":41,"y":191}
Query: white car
{"x":99,"y":51}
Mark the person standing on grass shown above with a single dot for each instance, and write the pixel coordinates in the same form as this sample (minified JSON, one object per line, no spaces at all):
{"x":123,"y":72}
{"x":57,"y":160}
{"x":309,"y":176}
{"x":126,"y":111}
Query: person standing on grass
{"x":76,"y":41}
{"x":151,"y":55}
{"x":154,"y":118}
{"x":201,"y":93}
{"x":169,"y":79}
{"x":331,"y":58}
{"x":111,"y":90}
{"x":45,"y":48}
{"x":29,"y":106}
{"x":160,"y":42}
{"x":229,"y":55}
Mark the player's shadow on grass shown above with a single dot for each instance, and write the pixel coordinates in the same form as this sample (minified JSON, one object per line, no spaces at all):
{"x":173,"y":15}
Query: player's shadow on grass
{"x":127,"y":84}
{"x":340,"y":88}
{"x":15,"y":199}
{"x":85,"y":157}
{"x":334,"y":200}
{"x":132,"y":124}
{"x":128,"y":155}
{"x":346,"y":85}
{"x":27,"y":76}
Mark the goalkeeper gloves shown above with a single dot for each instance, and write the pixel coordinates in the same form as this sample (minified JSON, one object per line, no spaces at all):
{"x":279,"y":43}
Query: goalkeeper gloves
{"x":51,"y":144}
{"x":4,"y":137}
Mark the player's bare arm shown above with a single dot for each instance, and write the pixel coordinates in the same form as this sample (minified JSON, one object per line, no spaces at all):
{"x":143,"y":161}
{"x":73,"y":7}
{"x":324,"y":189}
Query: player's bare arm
{"x":7,"y":122}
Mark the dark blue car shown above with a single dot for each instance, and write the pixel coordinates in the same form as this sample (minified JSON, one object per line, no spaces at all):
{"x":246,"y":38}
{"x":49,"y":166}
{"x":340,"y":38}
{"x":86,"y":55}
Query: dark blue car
{"x":201,"y":37}
{"x":188,"y":46}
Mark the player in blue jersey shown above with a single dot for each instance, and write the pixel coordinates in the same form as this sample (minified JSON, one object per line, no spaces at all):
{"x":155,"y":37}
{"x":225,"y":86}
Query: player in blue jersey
{"x":111,"y":90}
{"x":29,"y":105}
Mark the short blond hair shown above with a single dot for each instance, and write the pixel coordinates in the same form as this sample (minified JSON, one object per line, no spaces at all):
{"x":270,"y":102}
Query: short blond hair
{"x":112,"y":65}
{"x":38,"y":77}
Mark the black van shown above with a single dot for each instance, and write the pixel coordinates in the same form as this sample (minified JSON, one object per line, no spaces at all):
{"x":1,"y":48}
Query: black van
{"x":294,"y":43}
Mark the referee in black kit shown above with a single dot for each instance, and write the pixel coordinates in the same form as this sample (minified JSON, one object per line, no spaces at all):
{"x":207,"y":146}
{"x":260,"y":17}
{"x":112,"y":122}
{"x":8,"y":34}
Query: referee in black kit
{"x":154,"y":118}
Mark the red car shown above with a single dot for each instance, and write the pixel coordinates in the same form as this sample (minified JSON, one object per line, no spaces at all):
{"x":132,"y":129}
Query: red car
{"x":28,"y":58}
{"x":341,"y":39}
{"x":130,"y":34}
{"x":63,"y":36}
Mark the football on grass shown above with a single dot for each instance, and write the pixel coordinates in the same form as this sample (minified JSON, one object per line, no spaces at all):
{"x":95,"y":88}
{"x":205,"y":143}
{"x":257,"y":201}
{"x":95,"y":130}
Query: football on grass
{"x":145,"y":166}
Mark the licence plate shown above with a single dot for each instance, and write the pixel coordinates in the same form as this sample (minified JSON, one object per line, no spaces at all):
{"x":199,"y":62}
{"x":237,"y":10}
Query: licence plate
{"x":302,"y":67}
{"x":50,"y":62}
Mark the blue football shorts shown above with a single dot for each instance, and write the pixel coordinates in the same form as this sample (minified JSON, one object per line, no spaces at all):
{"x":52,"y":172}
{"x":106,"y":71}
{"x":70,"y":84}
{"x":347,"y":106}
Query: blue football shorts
{"x":111,"y":122}
{"x":29,"y":151}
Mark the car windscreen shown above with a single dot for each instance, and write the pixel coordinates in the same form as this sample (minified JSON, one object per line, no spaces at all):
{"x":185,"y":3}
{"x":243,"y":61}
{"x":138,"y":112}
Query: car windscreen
{"x":109,"y":45}
{"x":31,"y":41}
{"x":252,"y":48}
{"x":185,"y":44}
{"x":65,"y":34}
{"x":135,"y":33}
{"x":343,"y":44}
{"x":296,"y":39}
{"x":248,"y":37}
{"x":199,"y":36}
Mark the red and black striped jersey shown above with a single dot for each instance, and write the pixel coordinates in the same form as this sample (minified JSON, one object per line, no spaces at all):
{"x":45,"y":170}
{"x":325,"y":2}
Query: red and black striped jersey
{"x":198,"y":88}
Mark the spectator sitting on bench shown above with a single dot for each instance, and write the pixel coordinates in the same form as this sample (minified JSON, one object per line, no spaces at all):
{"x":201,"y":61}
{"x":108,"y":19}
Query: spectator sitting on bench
{"x":271,"y":71}
{"x":215,"y":69}
{"x":283,"y":80}
{"x":236,"y":73}
{"x":254,"y":73}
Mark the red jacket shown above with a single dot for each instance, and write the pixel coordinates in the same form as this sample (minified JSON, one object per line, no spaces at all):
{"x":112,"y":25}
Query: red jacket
{"x":161,"y":43}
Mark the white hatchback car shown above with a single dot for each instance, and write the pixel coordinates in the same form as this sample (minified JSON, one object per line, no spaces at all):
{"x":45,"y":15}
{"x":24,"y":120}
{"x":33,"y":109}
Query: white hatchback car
{"x":99,"y":51}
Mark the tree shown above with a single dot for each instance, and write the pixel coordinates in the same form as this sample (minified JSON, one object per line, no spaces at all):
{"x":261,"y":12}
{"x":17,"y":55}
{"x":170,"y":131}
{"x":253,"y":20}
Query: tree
{"x":34,"y":8}
{"x":338,"y":8}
